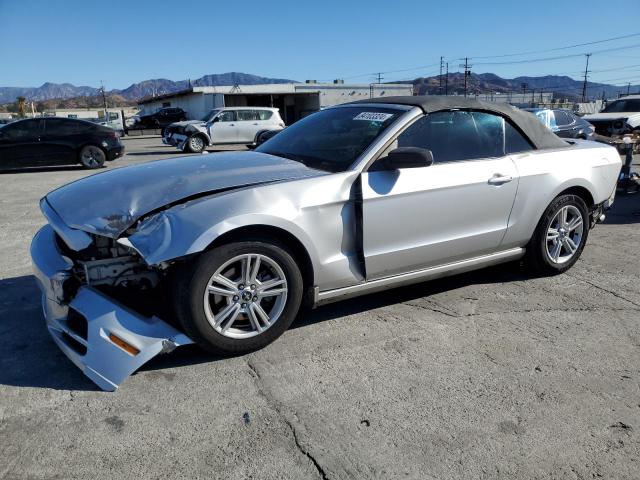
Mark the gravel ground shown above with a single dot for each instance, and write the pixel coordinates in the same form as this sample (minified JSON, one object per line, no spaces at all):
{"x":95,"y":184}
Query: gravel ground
{"x":491,"y":374}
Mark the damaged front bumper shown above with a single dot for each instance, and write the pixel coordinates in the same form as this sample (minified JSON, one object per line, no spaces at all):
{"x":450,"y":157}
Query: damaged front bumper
{"x":103,"y":338}
{"x":176,"y":140}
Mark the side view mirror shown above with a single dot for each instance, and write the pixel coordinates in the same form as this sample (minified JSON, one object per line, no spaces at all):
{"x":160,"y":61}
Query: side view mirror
{"x":408,"y":157}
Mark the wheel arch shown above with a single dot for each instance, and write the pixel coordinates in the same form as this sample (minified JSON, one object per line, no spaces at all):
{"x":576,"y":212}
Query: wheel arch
{"x":579,"y":191}
{"x":296,"y":247}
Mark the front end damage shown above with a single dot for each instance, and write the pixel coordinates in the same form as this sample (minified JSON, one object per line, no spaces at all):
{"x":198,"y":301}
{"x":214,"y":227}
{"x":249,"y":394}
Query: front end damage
{"x":101,"y":306}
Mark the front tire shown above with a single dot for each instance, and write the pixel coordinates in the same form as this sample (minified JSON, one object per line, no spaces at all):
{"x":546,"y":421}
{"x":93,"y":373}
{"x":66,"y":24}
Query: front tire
{"x":92,"y":157}
{"x":195,"y":144}
{"x":239,"y":297}
{"x":560,"y":236}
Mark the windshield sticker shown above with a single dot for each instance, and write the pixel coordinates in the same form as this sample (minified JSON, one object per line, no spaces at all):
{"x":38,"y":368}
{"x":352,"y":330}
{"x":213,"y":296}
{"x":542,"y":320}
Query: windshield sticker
{"x":373,"y":116}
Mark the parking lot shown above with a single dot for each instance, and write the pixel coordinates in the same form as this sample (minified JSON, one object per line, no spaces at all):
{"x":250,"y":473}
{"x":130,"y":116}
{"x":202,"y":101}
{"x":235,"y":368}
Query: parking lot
{"x":491,"y":374}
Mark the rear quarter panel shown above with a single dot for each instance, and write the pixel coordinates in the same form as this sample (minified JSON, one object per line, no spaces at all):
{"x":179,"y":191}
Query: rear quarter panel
{"x":544,"y":174}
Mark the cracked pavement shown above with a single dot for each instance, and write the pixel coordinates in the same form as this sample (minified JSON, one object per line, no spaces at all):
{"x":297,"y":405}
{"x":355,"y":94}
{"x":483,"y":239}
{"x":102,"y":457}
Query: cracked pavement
{"x":489,"y":375}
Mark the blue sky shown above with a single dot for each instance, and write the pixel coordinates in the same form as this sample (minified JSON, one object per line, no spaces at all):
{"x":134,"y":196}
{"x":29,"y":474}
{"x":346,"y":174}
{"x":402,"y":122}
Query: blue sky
{"x":122,"y":42}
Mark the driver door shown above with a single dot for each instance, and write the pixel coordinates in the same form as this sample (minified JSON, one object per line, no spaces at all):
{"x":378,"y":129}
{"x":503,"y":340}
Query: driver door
{"x":224,"y":128}
{"x":455,"y":209}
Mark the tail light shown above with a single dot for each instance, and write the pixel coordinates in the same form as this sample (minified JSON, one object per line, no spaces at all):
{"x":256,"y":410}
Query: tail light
{"x":114,"y":134}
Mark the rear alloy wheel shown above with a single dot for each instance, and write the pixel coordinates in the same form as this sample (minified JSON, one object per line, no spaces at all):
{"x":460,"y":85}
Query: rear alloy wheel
{"x":195,"y":144}
{"x":239,"y":297}
{"x":92,"y":157}
{"x":560,"y":236}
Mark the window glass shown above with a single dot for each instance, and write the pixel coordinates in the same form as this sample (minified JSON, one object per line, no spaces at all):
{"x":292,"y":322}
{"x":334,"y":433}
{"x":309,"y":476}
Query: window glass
{"x":265,"y":114}
{"x":331,"y":139}
{"x":244,"y":115}
{"x":630,"y":105}
{"x":562,"y":118}
{"x":22,"y":130}
{"x":514,"y":141}
{"x":228,"y":116}
{"x":457,"y":135}
{"x":60,"y":126}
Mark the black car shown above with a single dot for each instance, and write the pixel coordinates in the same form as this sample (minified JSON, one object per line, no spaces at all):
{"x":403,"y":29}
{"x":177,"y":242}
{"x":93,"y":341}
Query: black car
{"x":162,"y":118}
{"x":564,"y":123}
{"x":37,"y":142}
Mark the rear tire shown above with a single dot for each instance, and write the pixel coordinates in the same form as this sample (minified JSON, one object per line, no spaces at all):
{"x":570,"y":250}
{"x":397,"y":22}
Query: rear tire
{"x":92,"y":157}
{"x":560,"y":236}
{"x":229,"y":306}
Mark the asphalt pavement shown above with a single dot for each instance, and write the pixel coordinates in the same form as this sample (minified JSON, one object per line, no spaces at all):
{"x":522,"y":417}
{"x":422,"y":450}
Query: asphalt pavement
{"x":486,"y":375}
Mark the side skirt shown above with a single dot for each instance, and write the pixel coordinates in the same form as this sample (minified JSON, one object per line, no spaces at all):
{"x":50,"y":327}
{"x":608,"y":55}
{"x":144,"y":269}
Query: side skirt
{"x":418,"y":276}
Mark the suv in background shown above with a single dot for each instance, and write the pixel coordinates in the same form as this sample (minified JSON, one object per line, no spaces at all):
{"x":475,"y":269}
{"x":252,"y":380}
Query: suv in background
{"x":223,"y":126}
{"x":619,"y":117}
{"x":162,"y":118}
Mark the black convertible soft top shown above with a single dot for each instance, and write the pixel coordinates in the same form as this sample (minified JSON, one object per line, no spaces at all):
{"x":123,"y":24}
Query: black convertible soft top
{"x":540,"y":136}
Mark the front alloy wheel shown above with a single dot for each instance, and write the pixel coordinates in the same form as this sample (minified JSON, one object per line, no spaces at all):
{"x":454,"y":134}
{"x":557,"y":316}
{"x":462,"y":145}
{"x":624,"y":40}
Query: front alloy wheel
{"x":196,"y":144}
{"x":245,"y":296}
{"x":238,"y":297}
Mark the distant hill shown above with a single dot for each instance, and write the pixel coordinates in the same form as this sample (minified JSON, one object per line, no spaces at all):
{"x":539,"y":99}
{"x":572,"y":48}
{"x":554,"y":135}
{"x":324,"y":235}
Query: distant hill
{"x":561,"y":86}
{"x":146,"y":88}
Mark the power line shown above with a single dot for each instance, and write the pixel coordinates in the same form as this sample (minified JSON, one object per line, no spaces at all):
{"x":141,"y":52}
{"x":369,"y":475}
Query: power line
{"x":559,"y":48}
{"x":560,"y":57}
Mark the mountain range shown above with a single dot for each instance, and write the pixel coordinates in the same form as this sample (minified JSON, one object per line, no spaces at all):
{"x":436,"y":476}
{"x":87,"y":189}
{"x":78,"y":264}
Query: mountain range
{"x":561,"y":86}
{"x":483,"y":83}
{"x":136,"y":91}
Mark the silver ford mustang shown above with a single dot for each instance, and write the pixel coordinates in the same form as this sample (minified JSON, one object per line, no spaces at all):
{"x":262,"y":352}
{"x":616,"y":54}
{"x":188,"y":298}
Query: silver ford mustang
{"x":222,"y":250}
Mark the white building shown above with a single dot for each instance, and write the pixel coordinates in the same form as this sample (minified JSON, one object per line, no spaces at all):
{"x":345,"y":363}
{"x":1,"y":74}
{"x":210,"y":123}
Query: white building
{"x":295,"y":100}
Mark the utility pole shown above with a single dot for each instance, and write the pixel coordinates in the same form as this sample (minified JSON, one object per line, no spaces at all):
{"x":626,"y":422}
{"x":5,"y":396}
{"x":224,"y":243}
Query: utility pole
{"x":446,"y":80}
{"x":467,"y":73}
{"x":104,"y":101}
{"x":441,"y":67}
{"x":628,"y":87}
{"x":584,"y":84}
{"x":380,"y":77}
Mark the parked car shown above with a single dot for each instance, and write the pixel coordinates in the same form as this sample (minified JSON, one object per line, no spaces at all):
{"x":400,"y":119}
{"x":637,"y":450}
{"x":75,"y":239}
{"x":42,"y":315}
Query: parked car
{"x":223,"y":126}
{"x":161,"y":118}
{"x":618,"y":117}
{"x":266,"y":135}
{"x":57,"y":141}
{"x":353,"y":199}
{"x":564,"y":123}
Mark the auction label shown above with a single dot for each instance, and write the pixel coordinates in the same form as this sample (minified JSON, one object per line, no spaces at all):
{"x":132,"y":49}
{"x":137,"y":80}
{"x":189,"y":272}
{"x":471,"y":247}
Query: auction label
{"x":373,"y":116}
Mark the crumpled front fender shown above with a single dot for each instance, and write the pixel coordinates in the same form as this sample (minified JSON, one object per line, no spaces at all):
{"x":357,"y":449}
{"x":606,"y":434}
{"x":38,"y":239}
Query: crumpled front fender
{"x":190,"y":228}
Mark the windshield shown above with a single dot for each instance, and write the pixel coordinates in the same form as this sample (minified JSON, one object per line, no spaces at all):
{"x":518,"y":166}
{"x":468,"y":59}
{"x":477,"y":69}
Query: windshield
{"x":331,"y":139}
{"x":631,"y":105}
{"x":209,"y":115}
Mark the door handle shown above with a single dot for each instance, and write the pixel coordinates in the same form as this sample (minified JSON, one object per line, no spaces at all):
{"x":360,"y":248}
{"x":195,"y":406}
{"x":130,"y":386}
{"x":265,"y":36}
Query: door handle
{"x":255,"y":123}
{"x":498,"y":179}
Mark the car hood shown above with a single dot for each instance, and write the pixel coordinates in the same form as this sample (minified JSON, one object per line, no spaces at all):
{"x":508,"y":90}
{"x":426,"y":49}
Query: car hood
{"x":109,"y":203}
{"x":188,"y":122}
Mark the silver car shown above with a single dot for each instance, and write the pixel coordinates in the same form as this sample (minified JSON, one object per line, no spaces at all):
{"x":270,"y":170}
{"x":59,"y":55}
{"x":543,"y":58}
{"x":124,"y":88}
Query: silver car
{"x":222,"y":250}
